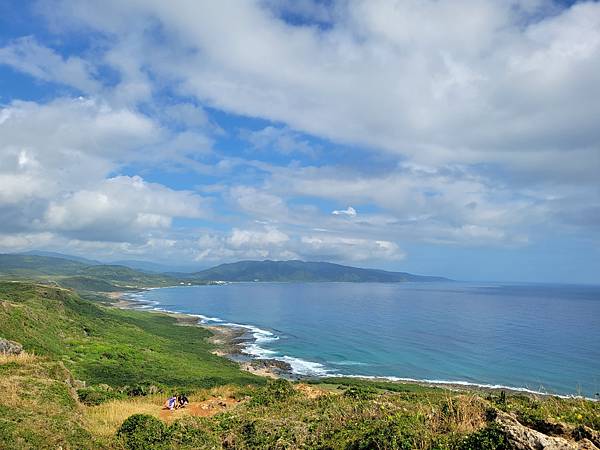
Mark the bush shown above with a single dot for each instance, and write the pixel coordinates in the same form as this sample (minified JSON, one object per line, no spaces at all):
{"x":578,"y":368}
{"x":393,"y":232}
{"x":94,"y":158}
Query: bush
{"x":276,"y":391}
{"x":141,"y":390}
{"x":488,"y":438}
{"x":143,"y":431}
{"x":192,"y":432}
{"x":359,"y":393}
{"x":93,"y":396}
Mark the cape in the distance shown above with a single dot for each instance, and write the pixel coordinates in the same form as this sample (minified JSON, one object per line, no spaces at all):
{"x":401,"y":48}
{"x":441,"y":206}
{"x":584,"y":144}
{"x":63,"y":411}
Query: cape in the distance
{"x":303,"y":271}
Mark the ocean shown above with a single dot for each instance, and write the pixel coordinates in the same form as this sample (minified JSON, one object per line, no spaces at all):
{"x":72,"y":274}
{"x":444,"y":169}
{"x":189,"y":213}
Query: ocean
{"x":543,"y":338}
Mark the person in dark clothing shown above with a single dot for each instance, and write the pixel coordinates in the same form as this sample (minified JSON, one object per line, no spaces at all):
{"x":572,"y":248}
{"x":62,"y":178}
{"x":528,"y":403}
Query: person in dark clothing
{"x":182,"y":401}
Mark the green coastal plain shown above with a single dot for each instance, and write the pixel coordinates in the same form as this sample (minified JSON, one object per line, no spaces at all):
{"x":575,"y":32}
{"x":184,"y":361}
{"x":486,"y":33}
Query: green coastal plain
{"x":95,"y":376}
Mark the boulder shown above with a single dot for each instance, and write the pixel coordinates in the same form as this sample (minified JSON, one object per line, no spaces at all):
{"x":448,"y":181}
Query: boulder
{"x":271,"y":364}
{"x":521,"y":437}
{"x":10,"y":347}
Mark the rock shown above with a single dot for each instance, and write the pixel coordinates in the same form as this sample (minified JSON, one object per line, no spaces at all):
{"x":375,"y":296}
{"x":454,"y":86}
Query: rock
{"x":271,"y":364}
{"x":521,"y":437}
{"x":10,"y":347}
{"x":582,"y":432}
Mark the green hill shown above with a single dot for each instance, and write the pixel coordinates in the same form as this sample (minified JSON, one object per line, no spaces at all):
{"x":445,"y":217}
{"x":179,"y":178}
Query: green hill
{"x":303,"y":271}
{"x":108,"y":345}
{"x":78,"y":274}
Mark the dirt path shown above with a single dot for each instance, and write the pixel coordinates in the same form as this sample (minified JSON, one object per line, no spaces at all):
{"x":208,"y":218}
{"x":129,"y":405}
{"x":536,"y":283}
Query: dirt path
{"x":206,"y":408}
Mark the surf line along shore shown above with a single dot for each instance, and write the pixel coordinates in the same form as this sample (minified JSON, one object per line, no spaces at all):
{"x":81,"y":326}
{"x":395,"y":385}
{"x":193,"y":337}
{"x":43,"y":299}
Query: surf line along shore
{"x":230,"y":340}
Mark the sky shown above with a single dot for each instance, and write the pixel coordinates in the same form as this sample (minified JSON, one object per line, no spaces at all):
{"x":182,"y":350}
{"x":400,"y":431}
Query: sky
{"x":450,"y":137}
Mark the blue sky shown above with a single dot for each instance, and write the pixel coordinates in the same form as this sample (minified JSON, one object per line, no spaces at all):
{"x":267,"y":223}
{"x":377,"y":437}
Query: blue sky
{"x":456,"y":138}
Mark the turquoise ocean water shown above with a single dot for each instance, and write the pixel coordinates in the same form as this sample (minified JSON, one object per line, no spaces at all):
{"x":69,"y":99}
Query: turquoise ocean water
{"x":536,"y":337}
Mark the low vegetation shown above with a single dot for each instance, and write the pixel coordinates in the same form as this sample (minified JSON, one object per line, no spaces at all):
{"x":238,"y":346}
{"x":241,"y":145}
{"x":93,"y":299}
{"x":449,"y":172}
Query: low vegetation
{"x":96,"y":377}
{"x":81,"y":276}
{"x":128,"y":351}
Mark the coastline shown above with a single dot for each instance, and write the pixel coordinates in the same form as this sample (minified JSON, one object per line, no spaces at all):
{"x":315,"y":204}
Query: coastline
{"x":232,"y":341}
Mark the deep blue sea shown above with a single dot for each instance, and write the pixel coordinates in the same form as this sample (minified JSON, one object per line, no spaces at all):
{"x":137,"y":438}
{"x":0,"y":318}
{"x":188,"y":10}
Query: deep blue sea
{"x":537,"y":337}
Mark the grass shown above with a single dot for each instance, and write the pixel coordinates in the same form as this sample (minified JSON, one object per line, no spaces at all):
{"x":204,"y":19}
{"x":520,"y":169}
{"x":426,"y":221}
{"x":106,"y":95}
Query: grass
{"x":38,"y":406}
{"x":358,"y":414}
{"x":120,"y":348}
{"x":78,"y":275}
{"x":105,"y":419}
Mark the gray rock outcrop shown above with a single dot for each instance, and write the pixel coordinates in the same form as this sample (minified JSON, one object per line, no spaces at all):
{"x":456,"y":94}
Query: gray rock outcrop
{"x":10,"y":347}
{"x":521,"y":437}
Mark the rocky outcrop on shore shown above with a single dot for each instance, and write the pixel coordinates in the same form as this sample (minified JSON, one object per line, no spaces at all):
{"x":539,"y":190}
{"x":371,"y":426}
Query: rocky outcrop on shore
{"x":273,"y":365}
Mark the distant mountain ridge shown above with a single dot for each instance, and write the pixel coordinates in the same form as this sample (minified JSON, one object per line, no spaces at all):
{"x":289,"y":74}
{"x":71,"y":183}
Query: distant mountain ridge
{"x":295,"y":270}
{"x":77,"y":274}
{"x":144,"y":266}
{"x":91,"y":275}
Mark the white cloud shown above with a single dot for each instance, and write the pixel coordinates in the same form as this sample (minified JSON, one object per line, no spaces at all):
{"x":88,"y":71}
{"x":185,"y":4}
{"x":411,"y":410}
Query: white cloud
{"x":282,"y":140}
{"x":188,"y":115}
{"x":121,"y":208}
{"x":399,"y":76}
{"x":489,"y":120}
{"x":257,"y":239}
{"x":27,"y":55}
{"x":58,"y":178}
{"x":342,"y":248}
{"x":349,"y":211}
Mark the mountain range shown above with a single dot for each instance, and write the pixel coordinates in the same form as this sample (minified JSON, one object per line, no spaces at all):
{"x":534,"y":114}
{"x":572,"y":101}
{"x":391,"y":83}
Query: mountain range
{"x":302,"y":271}
{"x":85,"y":274}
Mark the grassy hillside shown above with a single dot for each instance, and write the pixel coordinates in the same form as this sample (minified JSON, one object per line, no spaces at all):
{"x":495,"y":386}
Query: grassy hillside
{"x":110,"y":346}
{"x":39,"y":407}
{"x":302,"y":271}
{"x":77,"y":274}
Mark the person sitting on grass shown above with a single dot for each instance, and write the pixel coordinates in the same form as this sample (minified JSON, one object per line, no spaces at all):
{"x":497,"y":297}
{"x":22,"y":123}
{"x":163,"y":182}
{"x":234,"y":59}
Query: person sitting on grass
{"x":171,"y":403}
{"x":182,"y":400}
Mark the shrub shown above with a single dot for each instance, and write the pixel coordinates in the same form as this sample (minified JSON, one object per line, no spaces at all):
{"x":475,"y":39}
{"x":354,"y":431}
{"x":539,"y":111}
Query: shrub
{"x":93,"y":396}
{"x":192,"y":432}
{"x":359,"y":393}
{"x":276,"y":391}
{"x":488,"y":438}
{"x":141,"y":390}
{"x":142,"y":431}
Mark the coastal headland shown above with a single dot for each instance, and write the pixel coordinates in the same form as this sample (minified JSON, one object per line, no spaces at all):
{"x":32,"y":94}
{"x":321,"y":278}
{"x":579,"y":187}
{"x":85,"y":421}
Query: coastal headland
{"x":89,"y":374}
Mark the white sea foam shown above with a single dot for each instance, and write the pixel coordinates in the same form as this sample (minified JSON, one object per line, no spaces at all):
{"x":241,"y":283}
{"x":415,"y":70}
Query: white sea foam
{"x":347,"y":363}
{"x":456,"y":382}
{"x":304,"y":367}
{"x":207,"y":319}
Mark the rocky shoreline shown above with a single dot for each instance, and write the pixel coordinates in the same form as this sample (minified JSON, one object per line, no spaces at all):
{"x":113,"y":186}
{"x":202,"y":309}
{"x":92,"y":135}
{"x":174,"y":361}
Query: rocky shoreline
{"x":229,"y":341}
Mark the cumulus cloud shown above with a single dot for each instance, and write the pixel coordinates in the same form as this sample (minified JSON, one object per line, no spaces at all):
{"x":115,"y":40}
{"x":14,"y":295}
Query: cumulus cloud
{"x":57,"y":179}
{"x":120,"y":209}
{"x":27,"y":55}
{"x":349,"y":211}
{"x":350,"y":249}
{"x":281,"y":140}
{"x":270,"y":242}
{"x":470,"y":131}
{"x":482,"y":87}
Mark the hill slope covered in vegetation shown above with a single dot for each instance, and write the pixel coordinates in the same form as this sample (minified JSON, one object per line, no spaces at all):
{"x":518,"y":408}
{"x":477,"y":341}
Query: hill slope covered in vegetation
{"x":303,"y":271}
{"x":96,"y":377}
